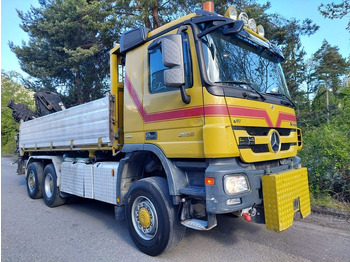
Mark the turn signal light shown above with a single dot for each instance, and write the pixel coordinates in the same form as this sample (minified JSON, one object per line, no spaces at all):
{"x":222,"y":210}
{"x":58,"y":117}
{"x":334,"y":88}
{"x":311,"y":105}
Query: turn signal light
{"x":209,"y":181}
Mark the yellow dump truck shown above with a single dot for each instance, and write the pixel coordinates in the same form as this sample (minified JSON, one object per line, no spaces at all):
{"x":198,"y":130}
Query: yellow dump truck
{"x":198,"y":122}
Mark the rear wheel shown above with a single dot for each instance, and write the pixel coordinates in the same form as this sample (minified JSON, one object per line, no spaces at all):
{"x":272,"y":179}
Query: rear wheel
{"x":34,"y":179}
{"x":51,"y":192}
{"x":151,"y":217}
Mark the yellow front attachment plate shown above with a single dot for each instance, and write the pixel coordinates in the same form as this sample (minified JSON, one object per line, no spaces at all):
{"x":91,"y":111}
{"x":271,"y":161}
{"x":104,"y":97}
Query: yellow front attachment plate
{"x":284,"y":194}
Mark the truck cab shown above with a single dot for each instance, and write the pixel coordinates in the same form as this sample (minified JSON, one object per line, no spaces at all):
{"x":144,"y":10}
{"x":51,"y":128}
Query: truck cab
{"x":209,"y":93}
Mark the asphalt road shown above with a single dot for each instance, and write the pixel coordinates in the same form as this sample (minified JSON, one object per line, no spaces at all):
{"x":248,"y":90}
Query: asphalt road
{"x":87,"y":231}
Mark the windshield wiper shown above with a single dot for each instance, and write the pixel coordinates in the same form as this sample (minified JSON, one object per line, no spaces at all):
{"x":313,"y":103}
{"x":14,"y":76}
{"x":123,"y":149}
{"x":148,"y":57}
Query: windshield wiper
{"x":287,"y":103}
{"x":245,"y":94}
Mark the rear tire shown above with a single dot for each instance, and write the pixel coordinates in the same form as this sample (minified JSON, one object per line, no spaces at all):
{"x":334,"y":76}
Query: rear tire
{"x":153,"y":221}
{"x":34,"y":179}
{"x":51,"y":192}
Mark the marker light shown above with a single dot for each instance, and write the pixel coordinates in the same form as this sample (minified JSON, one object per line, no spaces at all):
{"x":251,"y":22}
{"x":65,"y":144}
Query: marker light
{"x":260,"y":30}
{"x":252,"y":24}
{"x":244,"y":17}
{"x":232,"y":12}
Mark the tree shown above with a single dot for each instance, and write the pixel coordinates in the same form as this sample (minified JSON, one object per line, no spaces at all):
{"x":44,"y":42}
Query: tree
{"x":11,"y":90}
{"x":150,"y":13}
{"x":336,"y":11}
{"x":68,"y":46}
{"x":329,"y":65}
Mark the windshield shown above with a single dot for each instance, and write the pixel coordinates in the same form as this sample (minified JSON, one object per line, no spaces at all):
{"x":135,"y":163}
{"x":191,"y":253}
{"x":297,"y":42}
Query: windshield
{"x":234,"y":60}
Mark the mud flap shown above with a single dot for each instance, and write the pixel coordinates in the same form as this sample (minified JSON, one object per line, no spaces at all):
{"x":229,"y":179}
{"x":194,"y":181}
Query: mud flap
{"x":285,"y":194}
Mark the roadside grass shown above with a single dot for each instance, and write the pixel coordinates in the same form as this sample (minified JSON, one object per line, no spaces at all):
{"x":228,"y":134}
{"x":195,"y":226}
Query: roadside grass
{"x":328,"y":201}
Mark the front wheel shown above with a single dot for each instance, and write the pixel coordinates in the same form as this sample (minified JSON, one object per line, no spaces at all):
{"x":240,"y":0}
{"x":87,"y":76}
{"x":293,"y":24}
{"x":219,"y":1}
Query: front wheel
{"x":151,"y":217}
{"x":51,"y":193}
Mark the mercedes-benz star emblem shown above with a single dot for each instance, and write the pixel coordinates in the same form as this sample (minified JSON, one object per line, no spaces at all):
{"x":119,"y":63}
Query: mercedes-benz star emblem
{"x":275,"y":141}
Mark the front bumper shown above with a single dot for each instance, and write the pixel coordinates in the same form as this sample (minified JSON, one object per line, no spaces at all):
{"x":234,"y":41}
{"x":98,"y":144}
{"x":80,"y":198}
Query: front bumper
{"x":284,"y":191}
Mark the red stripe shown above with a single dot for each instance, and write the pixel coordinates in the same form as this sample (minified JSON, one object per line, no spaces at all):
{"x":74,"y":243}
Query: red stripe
{"x":135,"y":98}
{"x":200,"y":111}
{"x":216,"y":110}
{"x":165,"y":115}
{"x":285,"y":117}
{"x":240,"y":111}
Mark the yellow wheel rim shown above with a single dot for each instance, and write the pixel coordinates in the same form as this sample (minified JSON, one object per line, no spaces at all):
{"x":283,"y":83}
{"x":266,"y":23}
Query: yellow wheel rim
{"x":144,"y":217}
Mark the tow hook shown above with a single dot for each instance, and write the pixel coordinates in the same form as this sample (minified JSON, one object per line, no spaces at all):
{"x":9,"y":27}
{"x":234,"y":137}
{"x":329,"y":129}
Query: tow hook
{"x":248,"y":213}
{"x":247,"y":217}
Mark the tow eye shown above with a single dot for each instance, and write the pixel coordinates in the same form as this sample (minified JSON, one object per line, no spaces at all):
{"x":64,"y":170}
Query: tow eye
{"x":248,"y":213}
{"x":247,"y":217}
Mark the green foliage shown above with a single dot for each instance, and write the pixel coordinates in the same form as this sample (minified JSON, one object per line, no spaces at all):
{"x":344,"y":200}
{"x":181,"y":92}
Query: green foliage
{"x":11,"y":90}
{"x":326,"y":150}
{"x":336,"y":11}
{"x":329,"y":65}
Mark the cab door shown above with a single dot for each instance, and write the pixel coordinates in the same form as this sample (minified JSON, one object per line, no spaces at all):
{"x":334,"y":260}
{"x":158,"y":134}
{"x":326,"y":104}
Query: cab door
{"x":171,"y":124}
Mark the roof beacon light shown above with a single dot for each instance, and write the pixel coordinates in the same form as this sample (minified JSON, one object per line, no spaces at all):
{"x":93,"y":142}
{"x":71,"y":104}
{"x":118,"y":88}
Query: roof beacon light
{"x":244,"y":17}
{"x":232,"y":13}
{"x":208,"y":6}
{"x":260,"y":30}
{"x":252,"y":24}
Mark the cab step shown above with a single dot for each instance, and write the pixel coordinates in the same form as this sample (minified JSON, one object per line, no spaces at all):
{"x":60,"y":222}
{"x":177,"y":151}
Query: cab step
{"x":198,"y":224}
{"x":194,"y":191}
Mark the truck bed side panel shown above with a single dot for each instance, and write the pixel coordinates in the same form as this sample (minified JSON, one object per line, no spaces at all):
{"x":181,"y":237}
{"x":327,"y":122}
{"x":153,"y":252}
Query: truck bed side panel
{"x":84,"y":125}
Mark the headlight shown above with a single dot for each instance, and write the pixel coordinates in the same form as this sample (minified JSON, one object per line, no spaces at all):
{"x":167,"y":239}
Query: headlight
{"x":235,"y":184}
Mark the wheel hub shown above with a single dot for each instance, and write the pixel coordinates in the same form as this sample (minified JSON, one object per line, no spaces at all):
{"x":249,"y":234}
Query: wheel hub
{"x":48,"y":185}
{"x":144,"y":217}
{"x":31,"y":181}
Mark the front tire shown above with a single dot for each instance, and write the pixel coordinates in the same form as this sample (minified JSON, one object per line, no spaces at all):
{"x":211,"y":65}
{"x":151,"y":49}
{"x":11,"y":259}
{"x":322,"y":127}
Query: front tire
{"x":51,"y":192}
{"x":34,"y":179}
{"x":152,"y":219}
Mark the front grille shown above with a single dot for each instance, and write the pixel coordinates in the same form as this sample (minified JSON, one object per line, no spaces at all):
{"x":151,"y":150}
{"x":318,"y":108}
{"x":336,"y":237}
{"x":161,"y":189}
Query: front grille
{"x":257,"y":138}
{"x":263,"y":131}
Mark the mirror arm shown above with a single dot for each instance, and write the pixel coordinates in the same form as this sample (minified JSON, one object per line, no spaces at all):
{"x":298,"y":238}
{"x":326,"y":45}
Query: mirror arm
{"x":181,"y":29}
{"x":186,"y":98}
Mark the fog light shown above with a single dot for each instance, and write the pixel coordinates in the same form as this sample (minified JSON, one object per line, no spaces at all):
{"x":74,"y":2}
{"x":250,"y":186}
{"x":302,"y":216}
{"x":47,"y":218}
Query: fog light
{"x":252,"y":24}
{"x":232,"y":12}
{"x":244,"y":17}
{"x":260,"y":30}
{"x":233,"y":201}
{"x":235,"y":184}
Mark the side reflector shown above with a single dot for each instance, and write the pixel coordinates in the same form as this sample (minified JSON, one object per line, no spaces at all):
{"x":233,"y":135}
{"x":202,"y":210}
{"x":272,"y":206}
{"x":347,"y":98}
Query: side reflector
{"x":210,"y":181}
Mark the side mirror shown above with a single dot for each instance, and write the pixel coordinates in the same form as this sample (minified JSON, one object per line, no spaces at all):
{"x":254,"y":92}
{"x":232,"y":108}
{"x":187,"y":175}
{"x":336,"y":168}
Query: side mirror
{"x":173,"y":58}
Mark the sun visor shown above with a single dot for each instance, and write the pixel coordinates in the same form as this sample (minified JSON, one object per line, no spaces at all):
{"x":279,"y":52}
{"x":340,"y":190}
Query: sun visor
{"x":133,"y":38}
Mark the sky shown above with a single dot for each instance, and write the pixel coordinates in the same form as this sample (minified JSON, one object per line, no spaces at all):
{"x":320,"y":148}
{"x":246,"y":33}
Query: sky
{"x":333,"y":30}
